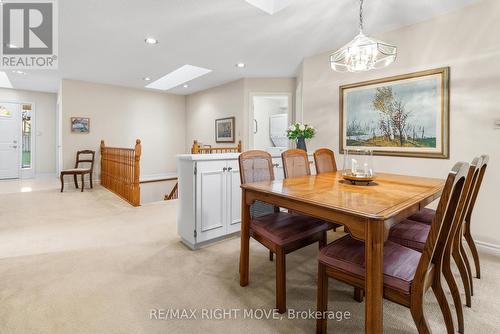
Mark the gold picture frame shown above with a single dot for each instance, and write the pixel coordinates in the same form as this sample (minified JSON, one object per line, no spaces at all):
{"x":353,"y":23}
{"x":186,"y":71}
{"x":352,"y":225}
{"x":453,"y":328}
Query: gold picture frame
{"x":405,"y":115}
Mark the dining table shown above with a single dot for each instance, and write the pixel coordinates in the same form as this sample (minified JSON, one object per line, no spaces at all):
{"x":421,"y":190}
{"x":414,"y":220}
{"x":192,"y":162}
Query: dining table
{"x":367,"y":211}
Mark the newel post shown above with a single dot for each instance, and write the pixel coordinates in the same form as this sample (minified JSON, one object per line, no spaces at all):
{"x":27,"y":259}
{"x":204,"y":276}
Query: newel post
{"x":239,"y":146}
{"x":196,"y":147}
{"x":137,"y":173}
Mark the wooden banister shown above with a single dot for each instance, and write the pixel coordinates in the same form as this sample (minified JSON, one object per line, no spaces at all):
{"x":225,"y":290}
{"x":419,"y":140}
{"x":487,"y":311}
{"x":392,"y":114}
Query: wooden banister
{"x":120,"y":171}
{"x":196,"y":149}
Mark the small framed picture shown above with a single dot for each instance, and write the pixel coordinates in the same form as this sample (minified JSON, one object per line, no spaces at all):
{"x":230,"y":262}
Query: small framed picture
{"x":80,"y":124}
{"x":224,"y":130}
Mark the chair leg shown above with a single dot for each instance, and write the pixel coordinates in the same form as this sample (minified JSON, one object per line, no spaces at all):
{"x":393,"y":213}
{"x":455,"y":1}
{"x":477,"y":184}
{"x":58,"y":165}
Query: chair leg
{"x":91,"y":184}
{"x":417,"y":313}
{"x":358,"y":295}
{"x":280,"y":281}
{"x":83,"y":182}
{"x":271,"y":256}
{"x":437,"y":288}
{"x":463,"y":253}
{"x":452,"y":285}
{"x":75,"y":180}
{"x":62,"y":182}
{"x":322,"y":299}
{"x":323,"y":241}
{"x":463,"y":275}
{"x":473,"y":249}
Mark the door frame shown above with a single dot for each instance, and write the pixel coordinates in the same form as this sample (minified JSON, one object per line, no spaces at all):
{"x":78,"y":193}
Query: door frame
{"x":291,"y":113}
{"x":26,"y":173}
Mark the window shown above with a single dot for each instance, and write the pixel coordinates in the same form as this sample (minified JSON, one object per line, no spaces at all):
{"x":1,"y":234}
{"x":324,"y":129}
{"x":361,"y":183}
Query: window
{"x":27,"y":133}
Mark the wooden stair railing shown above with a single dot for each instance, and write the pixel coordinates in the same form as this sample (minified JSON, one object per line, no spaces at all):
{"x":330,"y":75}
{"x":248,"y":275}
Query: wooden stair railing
{"x":120,"y":171}
{"x":174,"y":194}
{"x":197,"y":149}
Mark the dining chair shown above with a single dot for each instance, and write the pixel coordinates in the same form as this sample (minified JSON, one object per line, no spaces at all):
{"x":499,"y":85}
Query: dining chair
{"x":296,"y":164}
{"x":280,"y":232}
{"x":413,"y":233}
{"x":408,"y":274}
{"x":78,"y":170}
{"x":324,"y":159}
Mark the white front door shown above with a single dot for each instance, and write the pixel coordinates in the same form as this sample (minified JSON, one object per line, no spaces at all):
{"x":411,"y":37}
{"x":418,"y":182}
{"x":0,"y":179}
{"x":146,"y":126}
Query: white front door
{"x":10,"y":146}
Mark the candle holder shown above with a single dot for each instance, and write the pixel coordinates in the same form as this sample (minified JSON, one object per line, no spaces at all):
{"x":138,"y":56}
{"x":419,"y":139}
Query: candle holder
{"x":358,"y":166}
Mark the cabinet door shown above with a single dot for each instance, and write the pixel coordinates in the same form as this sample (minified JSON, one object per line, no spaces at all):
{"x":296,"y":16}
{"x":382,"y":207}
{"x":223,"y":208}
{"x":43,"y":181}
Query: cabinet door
{"x":279,"y":174}
{"x":210,"y":200}
{"x":233,"y":196}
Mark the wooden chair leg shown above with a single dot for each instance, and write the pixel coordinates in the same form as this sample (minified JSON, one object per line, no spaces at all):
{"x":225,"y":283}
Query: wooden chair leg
{"x":463,"y":253}
{"x":323,"y":241}
{"x":437,"y":288}
{"x":62,"y":182}
{"x":322,"y":299}
{"x":280,"y":281}
{"x":271,"y":256}
{"x":473,"y":249}
{"x":91,"y":184}
{"x":452,"y":285}
{"x":75,"y":180}
{"x":417,"y":313}
{"x":358,"y":295}
{"x":83,"y":182}
{"x":463,"y":275}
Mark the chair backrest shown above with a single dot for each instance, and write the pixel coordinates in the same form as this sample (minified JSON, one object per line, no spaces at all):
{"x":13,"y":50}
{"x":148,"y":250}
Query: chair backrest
{"x":255,"y":166}
{"x":475,"y":190}
{"x":90,"y":159}
{"x":295,"y":163}
{"x":324,"y":159}
{"x":446,"y":214}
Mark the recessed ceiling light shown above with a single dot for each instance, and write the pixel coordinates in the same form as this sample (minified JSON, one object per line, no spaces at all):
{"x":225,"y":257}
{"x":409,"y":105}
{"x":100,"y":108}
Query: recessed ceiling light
{"x":240,"y":65}
{"x":186,"y":86}
{"x":151,"y":41}
{"x":178,"y":77}
{"x":146,"y":79}
{"x":4,"y":80}
{"x":19,"y":72}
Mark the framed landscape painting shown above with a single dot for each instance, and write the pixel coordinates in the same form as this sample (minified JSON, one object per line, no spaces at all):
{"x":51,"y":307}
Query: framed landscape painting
{"x":224,"y":130}
{"x":406,"y":115}
{"x":80,"y":124}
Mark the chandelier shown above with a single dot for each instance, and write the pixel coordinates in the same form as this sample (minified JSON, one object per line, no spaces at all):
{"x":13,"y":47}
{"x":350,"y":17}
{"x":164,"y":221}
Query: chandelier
{"x":362,"y":53}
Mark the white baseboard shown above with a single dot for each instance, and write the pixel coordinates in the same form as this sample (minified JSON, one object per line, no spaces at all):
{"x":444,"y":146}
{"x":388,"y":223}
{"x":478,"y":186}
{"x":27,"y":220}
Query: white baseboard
{"x":485,"y":247}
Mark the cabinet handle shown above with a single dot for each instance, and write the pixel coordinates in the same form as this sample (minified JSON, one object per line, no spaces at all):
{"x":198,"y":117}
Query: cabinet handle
{"x":229,"y":169}
{"x":224,"y":169}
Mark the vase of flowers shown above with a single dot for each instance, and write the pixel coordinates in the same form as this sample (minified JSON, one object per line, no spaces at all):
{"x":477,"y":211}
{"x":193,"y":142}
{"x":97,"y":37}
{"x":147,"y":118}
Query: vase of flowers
{"x":300,"y":132}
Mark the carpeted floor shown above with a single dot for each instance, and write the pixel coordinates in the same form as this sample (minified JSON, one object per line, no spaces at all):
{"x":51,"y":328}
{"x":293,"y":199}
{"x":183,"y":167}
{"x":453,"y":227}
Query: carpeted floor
{"x":90,"y":263}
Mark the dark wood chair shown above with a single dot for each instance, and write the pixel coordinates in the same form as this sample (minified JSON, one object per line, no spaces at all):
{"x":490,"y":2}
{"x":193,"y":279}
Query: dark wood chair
{"x":80,"y":170}
{"x":408,"y":274}
{"x":324,"y":159}
{"x":280,"y":232}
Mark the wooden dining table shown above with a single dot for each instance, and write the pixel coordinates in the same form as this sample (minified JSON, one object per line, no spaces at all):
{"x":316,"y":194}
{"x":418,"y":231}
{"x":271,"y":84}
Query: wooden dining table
{"x":366,"y":210}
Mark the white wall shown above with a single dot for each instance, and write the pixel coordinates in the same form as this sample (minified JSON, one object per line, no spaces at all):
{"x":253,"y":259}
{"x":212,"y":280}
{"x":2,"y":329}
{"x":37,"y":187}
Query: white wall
{"x":263,"y":108}
{"x":45,"y":125}
{"x":119,"y":115}
{"x":466,"y":40}
{"x":231,"y":99}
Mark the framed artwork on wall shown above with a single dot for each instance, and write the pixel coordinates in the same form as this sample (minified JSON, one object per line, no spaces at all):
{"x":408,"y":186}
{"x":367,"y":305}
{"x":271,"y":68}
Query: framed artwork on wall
{"x":405,"y":115}
{"x":224,"y":130}
{"x":80,"y":124}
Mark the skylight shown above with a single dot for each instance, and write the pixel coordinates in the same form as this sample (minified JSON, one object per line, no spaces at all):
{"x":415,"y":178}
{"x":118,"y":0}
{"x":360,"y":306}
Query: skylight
{"x":4,"y":80}
{"x":270,"y":6}
{"x":178,"y":77}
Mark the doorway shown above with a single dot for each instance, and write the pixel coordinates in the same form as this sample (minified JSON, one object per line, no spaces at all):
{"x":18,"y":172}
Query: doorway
{"x":270,"y":116}
{"x":16,"y":140}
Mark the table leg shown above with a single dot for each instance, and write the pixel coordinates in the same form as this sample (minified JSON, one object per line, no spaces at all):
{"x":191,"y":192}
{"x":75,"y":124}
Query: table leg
{"x":245,"y":240}
{"x":374,"y":249}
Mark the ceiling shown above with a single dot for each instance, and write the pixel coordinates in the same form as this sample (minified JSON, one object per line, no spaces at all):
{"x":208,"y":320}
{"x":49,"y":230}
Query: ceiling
{"x":103,"y":41}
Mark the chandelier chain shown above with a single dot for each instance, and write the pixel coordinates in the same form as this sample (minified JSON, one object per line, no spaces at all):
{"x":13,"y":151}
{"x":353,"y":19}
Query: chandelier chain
{"x":361,"y":15}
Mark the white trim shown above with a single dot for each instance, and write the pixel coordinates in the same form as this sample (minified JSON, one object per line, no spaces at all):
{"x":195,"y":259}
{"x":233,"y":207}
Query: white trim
{"x":485,"y":247}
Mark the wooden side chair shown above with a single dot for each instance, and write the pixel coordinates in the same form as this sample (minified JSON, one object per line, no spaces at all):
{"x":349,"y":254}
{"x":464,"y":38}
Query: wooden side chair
{"x":280,"y":232}
{"x":324,"y":159}
{"x":295,"y":163}
{"x":80,"y":170}
{"x":408,"y":274}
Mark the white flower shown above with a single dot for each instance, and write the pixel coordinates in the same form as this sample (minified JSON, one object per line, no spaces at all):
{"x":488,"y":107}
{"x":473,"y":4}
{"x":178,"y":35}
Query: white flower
{"x":302,"y":127}
{"x":311,"y":127}
{"x":291,"y":128}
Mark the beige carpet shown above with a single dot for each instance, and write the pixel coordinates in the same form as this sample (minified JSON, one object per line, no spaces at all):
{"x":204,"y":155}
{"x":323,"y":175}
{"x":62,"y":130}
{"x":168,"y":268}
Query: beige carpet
{"x":89,"y":263}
